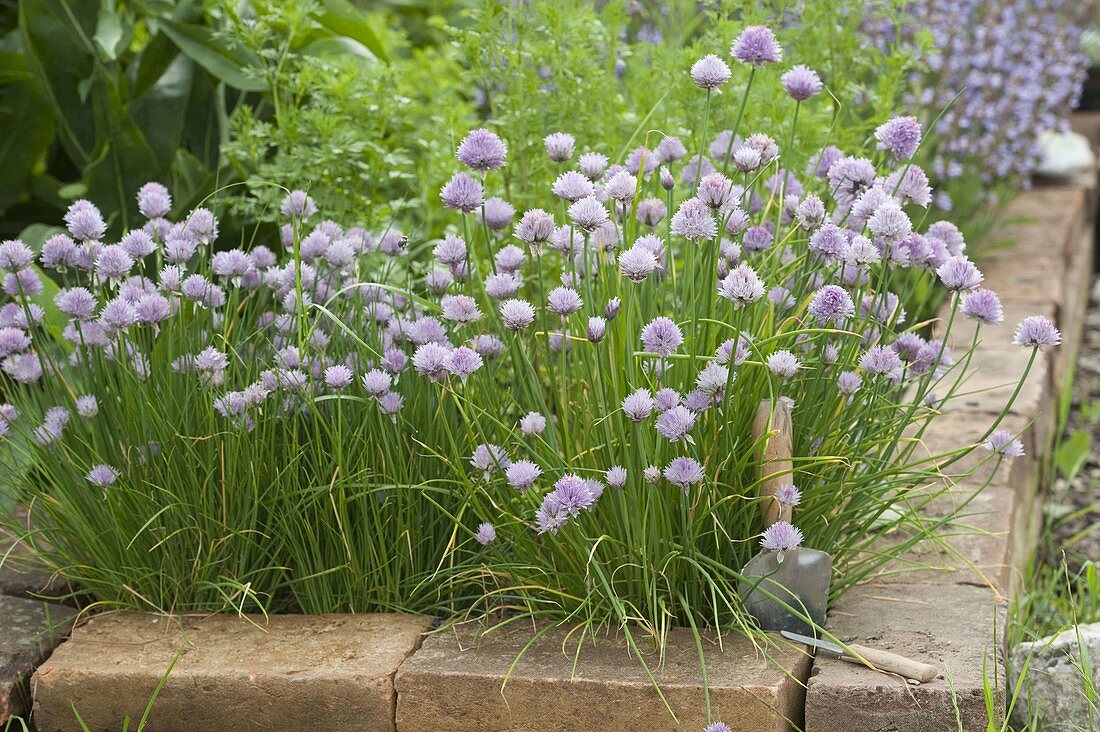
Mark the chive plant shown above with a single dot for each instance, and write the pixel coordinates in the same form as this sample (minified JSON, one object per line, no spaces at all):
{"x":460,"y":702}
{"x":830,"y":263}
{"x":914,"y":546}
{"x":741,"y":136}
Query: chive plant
{"x":546,"y":413}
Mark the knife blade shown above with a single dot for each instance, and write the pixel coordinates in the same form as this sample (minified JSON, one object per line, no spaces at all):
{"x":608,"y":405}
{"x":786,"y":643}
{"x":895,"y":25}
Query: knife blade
{"x":874,"y":658}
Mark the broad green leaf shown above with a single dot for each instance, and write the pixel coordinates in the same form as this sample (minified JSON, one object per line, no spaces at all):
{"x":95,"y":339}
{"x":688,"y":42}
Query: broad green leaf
{"x":28,"y":132}
{"x":161,"y":111}
{"x":54,"y":320}
{"x":344,"y":19}
{"x":1072,"y":453}
{"x":57,"y":38}
{"x":223,"y":63}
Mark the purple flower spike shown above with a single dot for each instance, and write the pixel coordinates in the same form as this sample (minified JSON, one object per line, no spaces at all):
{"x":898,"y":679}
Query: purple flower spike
{"x":662,"y":336}
{"x":801,"y":83}
{"x":710,"y":73}
{"x":486,"y":534}
{"x":684,"y":472}
{"x":1036,"y":331}
{"x":781,"y":537}
{"x":757,"y":46}
{"x":1004,"y":443}
{"x":901,"y":136}
{"x":482,"y":150}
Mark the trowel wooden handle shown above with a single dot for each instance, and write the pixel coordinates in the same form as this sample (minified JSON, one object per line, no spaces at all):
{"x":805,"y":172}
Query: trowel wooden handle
{"x":893,"y":663}
{"x":771,"y":430}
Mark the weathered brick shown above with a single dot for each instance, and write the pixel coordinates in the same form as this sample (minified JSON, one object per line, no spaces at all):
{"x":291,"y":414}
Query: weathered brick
{"x":29,"y":631}
{"x":462,"y":682}
{"x":330,"y":672}
{"x":957,"y":627}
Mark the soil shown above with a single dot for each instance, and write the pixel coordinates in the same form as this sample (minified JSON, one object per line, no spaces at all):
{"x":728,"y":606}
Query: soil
{"x":1074,"y":505}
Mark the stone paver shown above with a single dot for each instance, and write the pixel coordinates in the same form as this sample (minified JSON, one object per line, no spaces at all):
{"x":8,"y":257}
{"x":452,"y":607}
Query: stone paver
{"x":29,"y":631}
{"x":958,"y":628}
{"x":288,"y":672}
{"x":454,"y":682}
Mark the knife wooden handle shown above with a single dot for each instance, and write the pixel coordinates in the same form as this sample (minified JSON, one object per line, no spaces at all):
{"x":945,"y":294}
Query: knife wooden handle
{"x":893,"y":663}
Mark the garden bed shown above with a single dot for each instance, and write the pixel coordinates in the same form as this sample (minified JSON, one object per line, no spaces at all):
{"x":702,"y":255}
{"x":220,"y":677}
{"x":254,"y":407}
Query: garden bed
{"x":380,"y":672}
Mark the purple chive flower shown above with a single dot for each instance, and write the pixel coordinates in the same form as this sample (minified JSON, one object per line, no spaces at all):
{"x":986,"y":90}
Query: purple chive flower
{"x":910,"y":185}
{"x":1036,"y":331}
{"x":616,"y":477}
{"x":684,"y":472}
{"x":551,"y":516}
{"x":460,"y":309}
{"x":394,"y":360}
{"x":652,"y":474}
{"x":716,"y":191}
{"x":742,"y":286}
{"x":438,"y":280}
{"x":949,"y":234}
{"x":58,"y":252}
{"x":486,"y":345}
{"x":84,"y":221}
{"x":757,"y":238}
{"x":781,"y":537}
{"x":666,"y":179}
{"x":574,"y":493}
{"x":202,"y":225}
{"x":637,"y":263}
{"x":908,"y":346}
{"x":959,"y":273}
{"x":463,"y":361}
{"x":666,"y":399}
{"x":572,"y":186}
{"x":597,"y":329}
{"x":102,"y":475}
{"x":810,"y":212}
{"x":710,"y":73}
{"x":621,"y":187}
{"x":76,"y":302}
{"x":462,"y":193}
{"x":535,"y":227}
{"x":298,"y":205}
{"x":489,"y":458}
{"x":391,"y":404}
{"x":452,"y":250}
{"x":694,"y":221}
{"x":739,"y":352}
{"x":482,"y":150}
{"x":801,"y":83}
{"x":113,"y":262}
{"x":13,"y":340}
{"x":532,"y":423}
{"x":559,"y":146}
{"x":788,"y":495}
{"x":522,"y":474}
{"x":849,"y":177}
{"x":430,"y":359}
{"x":889,"y":224}
{"x":712,"y":378}
{"x":651,"y":211}
{"x":637,"y":157}
{"x":783,"y":364}
{"x":662,"y":336}
{"x":486,"y":534}
{"x":983,"y":306}
{"x":15,"y":256}
{"x":153,"y":200}
{"x":861,"y":253}
{"x":882,"y":361}
{"x":232,"y":264}
{"x":510,"y":259}
{"x":338,"y":376}
{"x":138,"y":244}
{"x":829,"y":242}
{"x":517,"y":314}
{"x":638,"y":406}
{"x":593,"y":165}
{"x":694,"y":170}
{"x":698,"y":401}
{"x":502,"y":285}
{"x":588,"y":214}
{"x":901,"y":136}
{"x":498,"y":214}
{"x":87,"y":406}
{"x":674,"y":424}
{"x":757,"y":46}
{"x":747,"y":159}
{"x":117,"y":315}
{"x":718,"y":727}
{"x":564,"y":301}
{"x":611,"y":309}
{"x":670,"y":149}
{"x":832,"y":304}
{"x":1004,"y":443}
{"x":848,"y":383}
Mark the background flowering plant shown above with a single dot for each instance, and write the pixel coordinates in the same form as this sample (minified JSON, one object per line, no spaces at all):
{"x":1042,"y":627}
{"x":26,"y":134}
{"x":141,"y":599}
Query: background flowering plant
{"x":546,"y":411}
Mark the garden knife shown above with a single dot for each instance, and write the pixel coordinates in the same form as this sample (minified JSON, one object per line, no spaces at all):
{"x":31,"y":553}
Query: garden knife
{"x":879,"y":660}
